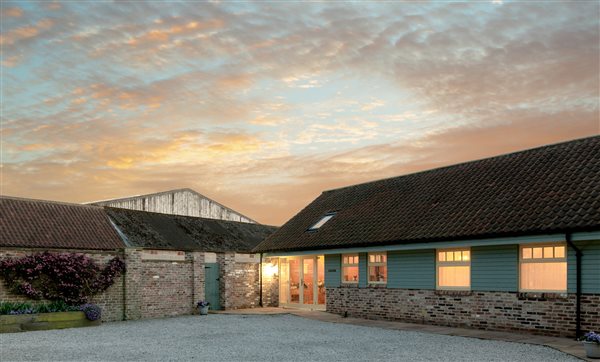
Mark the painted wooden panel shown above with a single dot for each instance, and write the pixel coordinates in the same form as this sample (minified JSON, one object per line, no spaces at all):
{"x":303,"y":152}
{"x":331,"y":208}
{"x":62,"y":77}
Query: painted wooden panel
{"x":362,"y":270}
{"x":178,"y":202}
{"x":495,"y":268}
{"x":333,"y":270}
{"x":590,"y":266}
{"x":414,"y":269}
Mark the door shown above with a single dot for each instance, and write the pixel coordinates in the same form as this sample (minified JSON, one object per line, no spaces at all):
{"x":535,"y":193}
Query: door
{"x":302,"y":281}
{"x":211,"y":285}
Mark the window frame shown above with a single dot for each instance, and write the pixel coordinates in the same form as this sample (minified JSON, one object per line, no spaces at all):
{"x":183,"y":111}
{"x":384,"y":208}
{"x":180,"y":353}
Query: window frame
{"x":375,"y":264}
{"x":564,"y":259}
{"x":357,"y":265}
{"x":327,"y":217}
{"x":439,"y":263}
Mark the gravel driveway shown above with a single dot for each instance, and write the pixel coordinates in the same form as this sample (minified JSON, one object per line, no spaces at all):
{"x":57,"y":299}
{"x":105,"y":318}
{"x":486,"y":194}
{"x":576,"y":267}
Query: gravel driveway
{"x":257,"y":338}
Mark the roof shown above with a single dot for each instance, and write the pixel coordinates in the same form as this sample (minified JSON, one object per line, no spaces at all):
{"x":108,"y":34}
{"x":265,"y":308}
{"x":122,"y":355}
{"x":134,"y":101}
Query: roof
{"x":48,"y":224}
{"x":109,"y":202}
{"x":544,"y":190}
{"x":164,"y":231}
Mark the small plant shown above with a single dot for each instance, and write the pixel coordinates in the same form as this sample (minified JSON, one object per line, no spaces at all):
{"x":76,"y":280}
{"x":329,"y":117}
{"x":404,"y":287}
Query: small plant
{"x":29,"y":308}
{"x":92,"y":311}
{"x":591,"y":337}
{"x":202,"y":304}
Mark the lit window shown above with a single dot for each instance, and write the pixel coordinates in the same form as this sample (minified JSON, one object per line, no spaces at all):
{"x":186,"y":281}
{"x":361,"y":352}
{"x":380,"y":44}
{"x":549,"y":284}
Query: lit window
{"x":322,"y":221}
{"x":350,"y":268}
{"x":543,"y":268}
{"x":377,"y":268}
{"x":454,"y":269}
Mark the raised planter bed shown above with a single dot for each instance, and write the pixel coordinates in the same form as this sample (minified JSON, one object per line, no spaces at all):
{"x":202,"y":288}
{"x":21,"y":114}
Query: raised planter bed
{"x":44,"y":321}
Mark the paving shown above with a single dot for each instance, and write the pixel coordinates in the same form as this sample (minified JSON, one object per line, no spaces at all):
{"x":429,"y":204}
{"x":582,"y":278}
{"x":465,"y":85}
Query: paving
{"x":259,"y":337}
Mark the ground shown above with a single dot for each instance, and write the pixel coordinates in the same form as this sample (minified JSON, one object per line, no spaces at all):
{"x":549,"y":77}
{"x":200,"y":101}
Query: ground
{"x":257,"y":338}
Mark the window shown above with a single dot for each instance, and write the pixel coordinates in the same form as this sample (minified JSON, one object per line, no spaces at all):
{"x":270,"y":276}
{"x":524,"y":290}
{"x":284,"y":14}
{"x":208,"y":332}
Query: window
{"x":350,"y":268}
{"x":543,"y":268}
{"x":322,"y":221}
{"x":377,"y":268}
{"x":454,"y":269}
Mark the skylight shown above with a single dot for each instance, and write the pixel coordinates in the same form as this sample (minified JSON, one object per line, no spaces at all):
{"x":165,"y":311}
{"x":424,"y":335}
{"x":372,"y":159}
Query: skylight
{"x":322,"y":221}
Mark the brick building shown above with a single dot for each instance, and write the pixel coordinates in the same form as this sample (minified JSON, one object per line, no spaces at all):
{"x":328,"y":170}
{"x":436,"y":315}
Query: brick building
{"x":505,"y":243}
{"x":172,"y":260}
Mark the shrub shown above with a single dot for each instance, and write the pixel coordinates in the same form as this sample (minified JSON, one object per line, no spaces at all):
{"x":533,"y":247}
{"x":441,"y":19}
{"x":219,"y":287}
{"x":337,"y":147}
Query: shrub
{"x":28,"y":308}
{"x":67,"y":277}
{"x":92,"y":311}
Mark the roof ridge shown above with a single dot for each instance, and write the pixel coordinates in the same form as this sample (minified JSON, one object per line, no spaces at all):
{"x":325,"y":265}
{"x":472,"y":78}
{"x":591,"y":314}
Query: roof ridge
{"x":54,"y":202}
{"x":466,"y":162}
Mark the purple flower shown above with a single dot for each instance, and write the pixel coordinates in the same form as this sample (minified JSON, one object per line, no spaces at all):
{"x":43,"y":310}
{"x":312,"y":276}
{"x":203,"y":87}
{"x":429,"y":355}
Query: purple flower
{"x":591,"y":337}
{"x":92,"y":311}
{"x":202,"y":304}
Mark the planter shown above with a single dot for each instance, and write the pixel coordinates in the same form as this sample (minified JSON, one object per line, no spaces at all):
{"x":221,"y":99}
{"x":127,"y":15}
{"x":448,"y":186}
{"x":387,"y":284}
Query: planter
{"x":44,"y":321}
{"x":592,"y":349}
{"x":203,"y":310}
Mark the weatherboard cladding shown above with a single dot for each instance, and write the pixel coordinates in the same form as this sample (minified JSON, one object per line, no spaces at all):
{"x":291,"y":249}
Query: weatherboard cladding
{"x":333,"y":270}
{"x":539,"y":191}
{"x":47,"y":224}
{"x":163,"y":231}
{"x":495,"y":268}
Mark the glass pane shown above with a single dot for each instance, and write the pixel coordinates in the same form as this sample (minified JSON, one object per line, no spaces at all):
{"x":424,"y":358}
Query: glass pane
{"x":378,"y":274}
{"x":454,"y":276}
{"x":457,"y":256}
{"x":442,"y":256}
{"x":295,"y":281}
{"x":544,"y":276}
{"x":537,"y":253}
{"x":371,"y":258}
{"x":559,"y":252}
{"x":321,"y":279}
{"x":345,"y":260}
{"x":384,"y":258}
{"x":549,"y":252}
{"x":284,"y":279}
{"x":527,"y":253}
{"x":449,"y":256}
{"x":466,"y":255}
{"x":308,"y":279}
{"x":350,"y":274}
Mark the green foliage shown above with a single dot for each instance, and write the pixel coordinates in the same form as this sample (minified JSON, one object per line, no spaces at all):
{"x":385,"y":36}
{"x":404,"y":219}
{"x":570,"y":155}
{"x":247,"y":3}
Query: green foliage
{"x":29,"y":308}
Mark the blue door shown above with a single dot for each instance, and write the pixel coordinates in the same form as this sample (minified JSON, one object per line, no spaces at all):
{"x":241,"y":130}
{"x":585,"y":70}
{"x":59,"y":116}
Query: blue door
{"x":211,"y":277}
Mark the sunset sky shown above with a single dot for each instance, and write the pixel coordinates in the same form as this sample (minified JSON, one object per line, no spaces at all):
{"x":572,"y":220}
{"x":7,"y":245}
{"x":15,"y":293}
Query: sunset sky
{"x":262,"y":106}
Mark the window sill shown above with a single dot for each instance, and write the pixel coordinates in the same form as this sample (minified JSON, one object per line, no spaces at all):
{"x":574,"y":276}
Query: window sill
{"x":349,"y":285}
{"x":377,"y":285}
{"x":542,"y":296}
{"x":453,"y":293}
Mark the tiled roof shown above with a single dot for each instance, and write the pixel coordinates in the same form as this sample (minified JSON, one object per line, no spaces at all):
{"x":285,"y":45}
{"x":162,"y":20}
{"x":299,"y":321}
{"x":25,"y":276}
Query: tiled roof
{"x":544,"y":190}
{"x":163,"y":231}
{"x":47,"y":224}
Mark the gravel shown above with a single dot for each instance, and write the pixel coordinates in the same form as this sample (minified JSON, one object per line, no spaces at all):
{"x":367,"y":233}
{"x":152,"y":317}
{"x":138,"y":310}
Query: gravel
{"x":252,"y":338}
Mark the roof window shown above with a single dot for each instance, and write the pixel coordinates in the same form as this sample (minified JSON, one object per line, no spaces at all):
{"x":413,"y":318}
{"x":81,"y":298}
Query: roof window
{"x":322,"y":221}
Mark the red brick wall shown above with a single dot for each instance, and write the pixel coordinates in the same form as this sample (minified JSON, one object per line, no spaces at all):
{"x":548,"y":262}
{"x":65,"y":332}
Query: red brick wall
{"x":270,"y":285}
{"x":239,"y":283}
{"x":111,"y":300}
{"x":552,"y":315}
{"x":166,"y":289}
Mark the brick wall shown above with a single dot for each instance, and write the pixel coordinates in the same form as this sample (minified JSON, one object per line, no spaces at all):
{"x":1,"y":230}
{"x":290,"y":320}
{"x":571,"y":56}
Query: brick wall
{"x":270,"y":282}
{"x":540,"y":314}
{"x":111,"y":300}
{"x":149,"y":289}
{"x":238,"y":282}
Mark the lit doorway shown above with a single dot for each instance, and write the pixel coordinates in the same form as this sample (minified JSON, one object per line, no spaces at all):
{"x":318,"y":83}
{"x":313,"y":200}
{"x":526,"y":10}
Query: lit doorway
{"x":302,"y":282}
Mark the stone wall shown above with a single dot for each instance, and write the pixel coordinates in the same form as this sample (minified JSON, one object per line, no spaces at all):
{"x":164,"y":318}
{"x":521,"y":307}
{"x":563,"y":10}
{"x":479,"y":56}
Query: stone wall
{"x":540,"y":314}
{"x":238,"y":283}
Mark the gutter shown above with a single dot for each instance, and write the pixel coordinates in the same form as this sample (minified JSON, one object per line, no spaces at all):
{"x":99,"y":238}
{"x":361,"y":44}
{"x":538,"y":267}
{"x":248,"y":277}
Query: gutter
{"x":578,"y":255}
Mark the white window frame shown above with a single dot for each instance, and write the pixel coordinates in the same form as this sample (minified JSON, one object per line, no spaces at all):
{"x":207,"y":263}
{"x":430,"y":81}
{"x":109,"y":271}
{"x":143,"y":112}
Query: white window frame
{"x":439,"y":264}
{"x":374,"y":264}
{"x":543,"y":260}
{"x":357,"y":265}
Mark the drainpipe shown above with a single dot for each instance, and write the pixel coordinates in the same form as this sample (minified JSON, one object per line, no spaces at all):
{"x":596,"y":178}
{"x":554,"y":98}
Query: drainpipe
{"x":260,"y":276}
{"x":578,"y":255}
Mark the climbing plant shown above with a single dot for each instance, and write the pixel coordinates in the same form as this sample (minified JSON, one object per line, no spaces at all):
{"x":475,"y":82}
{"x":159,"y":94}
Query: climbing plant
{"x":69,"y":277}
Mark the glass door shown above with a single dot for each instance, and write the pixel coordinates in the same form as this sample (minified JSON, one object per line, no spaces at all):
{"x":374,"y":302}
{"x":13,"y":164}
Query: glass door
{"x":295,"y":280}
{"x":308,"y":282}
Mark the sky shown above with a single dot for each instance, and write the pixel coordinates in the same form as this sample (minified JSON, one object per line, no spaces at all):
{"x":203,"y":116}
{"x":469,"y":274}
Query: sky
{"x":264,"y":105}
